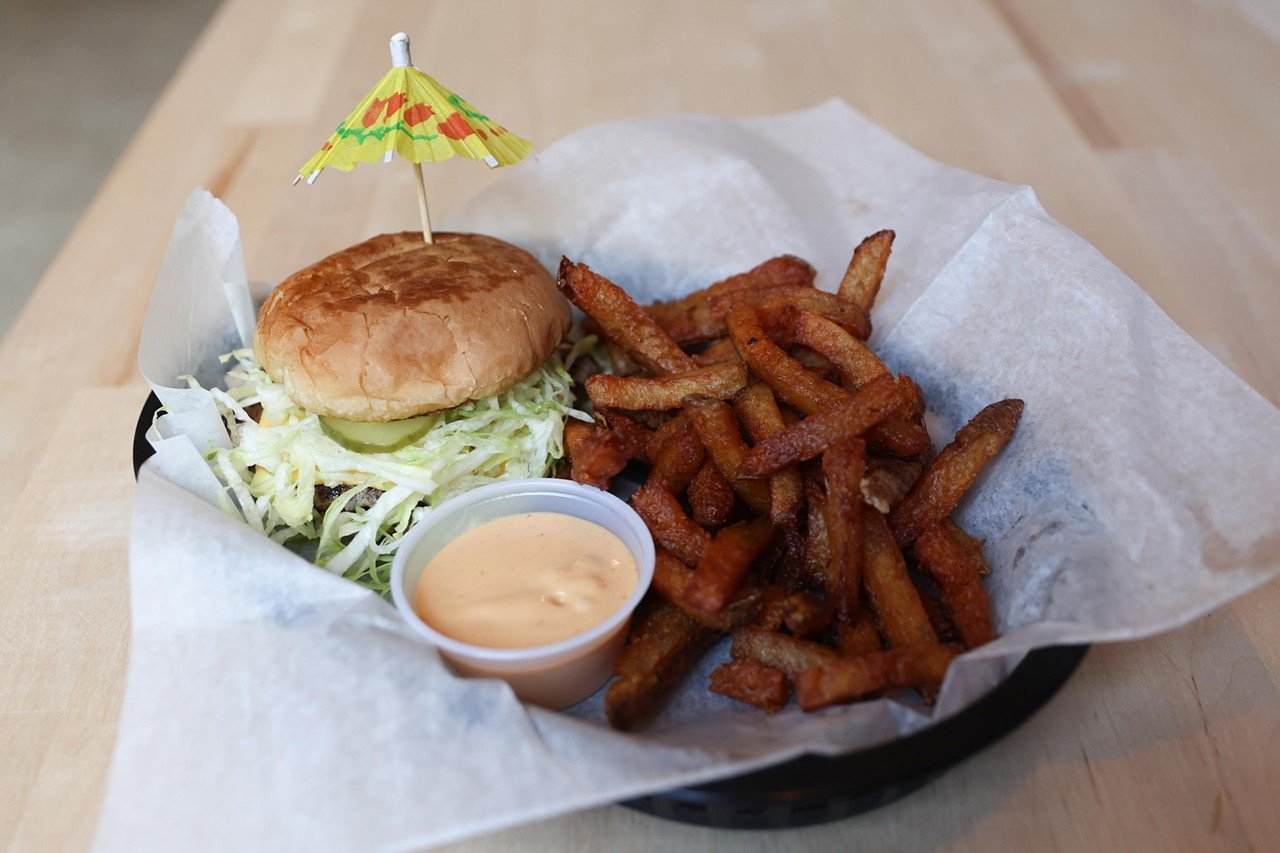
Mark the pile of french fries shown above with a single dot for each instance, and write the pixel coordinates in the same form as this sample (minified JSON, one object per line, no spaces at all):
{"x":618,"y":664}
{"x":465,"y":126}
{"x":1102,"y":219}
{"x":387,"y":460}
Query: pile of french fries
{"x":792,"y":490}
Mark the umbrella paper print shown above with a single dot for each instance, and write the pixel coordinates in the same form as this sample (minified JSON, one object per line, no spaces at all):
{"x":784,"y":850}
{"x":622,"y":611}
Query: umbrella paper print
{"x":411,"y":114}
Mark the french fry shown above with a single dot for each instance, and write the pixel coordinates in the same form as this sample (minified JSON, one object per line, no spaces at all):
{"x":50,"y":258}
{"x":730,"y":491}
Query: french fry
{"x":840,"y":311}
{"x":717,"y":428}
{"x":667,"y":522}
{"x":649,"y":420}
{"x":790,"y":381}
{"x":690,"y":320}
{"x":773,"y":608}
{"x":761,"y":417}
{"x":860,"y":637}
{"x":634,"y":436}
{"x":597,"y":454}
{"x":861,"y":282}
{"x":813,"y":362}
{"x":905,"y":437}
{"x":652,"y":665}
{"x":670,"y":579}
{"x":936,"y":611}
{"x":621,"y":319}
{"x":971,"y":544}
{"x":675,"y":453}
{"x":921,"y":666}
{"x":950,"y":566}
{"x":719,"y":352}
{"x":813,"y":435}
{"x":842,"y":467}
{"x":670,"y":575}
{"x":902,"y":434}
{"x":646,"y":610}
{"x":804,"y":390}
{"x":953,"y":471}
{"x":752,"y":683}
{"x":726,"y":562}
{"x":790,"y":571}
{"x":592,"y":459}
{"x":778,"y":322}
{"x":672,"y":427}
{"x":806,"y":614}
{"x":817,"y":541}
{"x":648,"y":635}
{"x":758,"y":411}
{"x":780,"y":651}
{"x":857,"y":364}
{"x":711,"y":496}
{"x":888,"y":480}
{"x":891,"y":592}
{"x":663,"y":393}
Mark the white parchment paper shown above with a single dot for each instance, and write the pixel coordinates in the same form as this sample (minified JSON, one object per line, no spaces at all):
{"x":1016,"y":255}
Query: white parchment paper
{"x":271,"y":704}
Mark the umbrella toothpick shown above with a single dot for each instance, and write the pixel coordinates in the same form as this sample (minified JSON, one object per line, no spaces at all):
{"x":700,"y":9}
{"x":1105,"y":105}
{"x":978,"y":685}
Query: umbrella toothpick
{"x":413,"y":115}
{"x":422,"y":204}
{"x":400,"y":59}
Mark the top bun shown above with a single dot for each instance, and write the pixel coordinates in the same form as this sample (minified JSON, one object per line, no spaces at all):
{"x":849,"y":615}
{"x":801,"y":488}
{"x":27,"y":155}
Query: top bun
{"x":394,"y":327}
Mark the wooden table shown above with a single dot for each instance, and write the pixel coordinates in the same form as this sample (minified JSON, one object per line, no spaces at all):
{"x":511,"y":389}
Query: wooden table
{"x":1152,"y":128}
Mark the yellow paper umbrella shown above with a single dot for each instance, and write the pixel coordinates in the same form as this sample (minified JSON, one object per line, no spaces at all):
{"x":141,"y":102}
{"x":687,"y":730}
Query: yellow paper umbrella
{"x":410,"y":114}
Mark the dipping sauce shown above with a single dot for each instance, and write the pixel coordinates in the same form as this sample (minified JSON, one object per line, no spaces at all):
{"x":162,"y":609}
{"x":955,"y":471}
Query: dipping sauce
{"x":525,"y":580}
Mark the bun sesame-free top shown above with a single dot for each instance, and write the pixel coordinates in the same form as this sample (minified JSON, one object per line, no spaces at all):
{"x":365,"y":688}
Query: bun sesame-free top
{"x":394,"y":327}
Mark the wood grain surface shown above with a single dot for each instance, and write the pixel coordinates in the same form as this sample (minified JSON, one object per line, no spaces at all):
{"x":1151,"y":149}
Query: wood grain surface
{"x":1150,"y":127}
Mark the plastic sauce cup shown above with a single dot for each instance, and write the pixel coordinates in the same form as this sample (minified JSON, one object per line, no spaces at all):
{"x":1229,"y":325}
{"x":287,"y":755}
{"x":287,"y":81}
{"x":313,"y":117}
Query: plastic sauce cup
{"x":555,"y":675}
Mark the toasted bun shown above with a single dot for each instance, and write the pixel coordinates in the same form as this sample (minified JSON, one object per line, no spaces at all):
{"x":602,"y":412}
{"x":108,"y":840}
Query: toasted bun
{"x":394,"y":327}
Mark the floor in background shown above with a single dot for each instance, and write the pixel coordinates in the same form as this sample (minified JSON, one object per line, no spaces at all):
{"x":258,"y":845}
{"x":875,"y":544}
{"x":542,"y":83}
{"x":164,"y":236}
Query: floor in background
{"x":76,"y":80}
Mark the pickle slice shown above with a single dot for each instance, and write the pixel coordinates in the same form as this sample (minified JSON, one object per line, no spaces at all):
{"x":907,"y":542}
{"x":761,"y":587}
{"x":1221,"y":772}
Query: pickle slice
{"x":374,"y":437}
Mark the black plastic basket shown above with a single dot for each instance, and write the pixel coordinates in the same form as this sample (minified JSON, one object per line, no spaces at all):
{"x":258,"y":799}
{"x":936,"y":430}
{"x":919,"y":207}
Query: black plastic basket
{"x":816,"y":789}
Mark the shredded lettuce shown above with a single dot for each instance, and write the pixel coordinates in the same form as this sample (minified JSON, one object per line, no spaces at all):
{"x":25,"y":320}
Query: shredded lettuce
{"x":275,"y":462}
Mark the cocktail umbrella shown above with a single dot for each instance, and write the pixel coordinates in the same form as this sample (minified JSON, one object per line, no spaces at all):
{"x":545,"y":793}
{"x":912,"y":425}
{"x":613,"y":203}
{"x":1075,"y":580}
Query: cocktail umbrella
{"x":411,"y":114}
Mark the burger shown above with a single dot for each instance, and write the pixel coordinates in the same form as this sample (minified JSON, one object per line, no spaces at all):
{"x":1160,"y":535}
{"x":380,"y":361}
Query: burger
{"x":386,"y":378}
